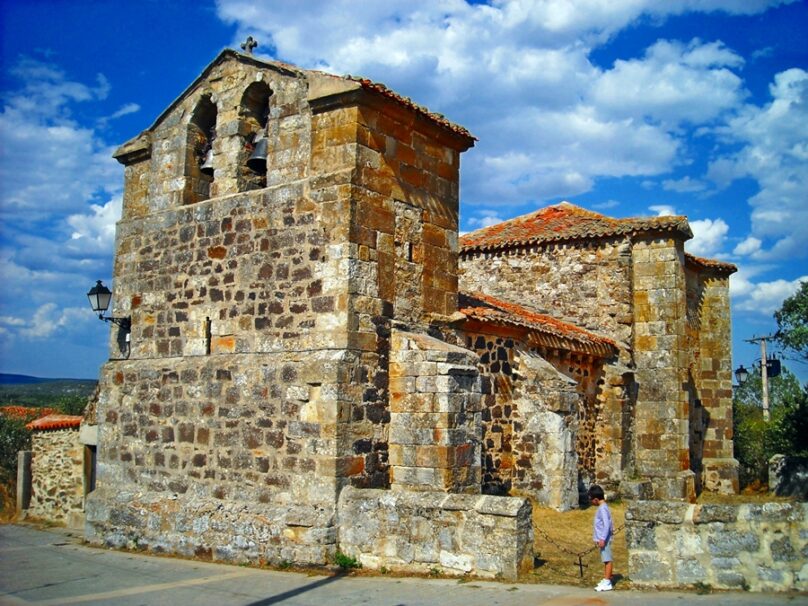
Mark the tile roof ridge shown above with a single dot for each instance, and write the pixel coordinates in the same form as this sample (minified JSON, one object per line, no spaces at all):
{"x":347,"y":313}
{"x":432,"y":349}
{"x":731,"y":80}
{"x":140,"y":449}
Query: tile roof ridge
{"x":565,"y":221}
{"x":55,"y":421}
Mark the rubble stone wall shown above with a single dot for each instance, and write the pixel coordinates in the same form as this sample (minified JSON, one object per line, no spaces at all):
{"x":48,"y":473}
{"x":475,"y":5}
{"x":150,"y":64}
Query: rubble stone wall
{"x":57,"y":471}
{"x":456,"y":534}
{"x":586,"y":283}
{"x":530,"y":420}
{"x":759,"y":547}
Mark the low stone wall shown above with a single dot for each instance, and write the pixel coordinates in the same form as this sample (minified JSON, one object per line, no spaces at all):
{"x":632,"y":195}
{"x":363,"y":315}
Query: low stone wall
{"x":485,"y":536}
{"x":759,"y":547}
{"x":221,"y":530}
{"x":57,"y":492}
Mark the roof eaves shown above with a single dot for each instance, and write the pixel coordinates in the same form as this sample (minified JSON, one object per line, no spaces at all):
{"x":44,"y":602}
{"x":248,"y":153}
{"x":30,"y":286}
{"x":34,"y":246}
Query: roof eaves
{"x":55,"y":422}
{"x":564,"y":335}
{"x":700,"y":263}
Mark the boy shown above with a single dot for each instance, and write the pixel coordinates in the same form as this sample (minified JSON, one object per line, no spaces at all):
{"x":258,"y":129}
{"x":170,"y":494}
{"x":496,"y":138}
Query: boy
{"x":602,"y":532}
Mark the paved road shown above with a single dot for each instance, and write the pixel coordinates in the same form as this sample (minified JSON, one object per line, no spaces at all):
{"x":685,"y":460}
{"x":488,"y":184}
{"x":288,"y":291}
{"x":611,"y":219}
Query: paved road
{"x":54,"y":568}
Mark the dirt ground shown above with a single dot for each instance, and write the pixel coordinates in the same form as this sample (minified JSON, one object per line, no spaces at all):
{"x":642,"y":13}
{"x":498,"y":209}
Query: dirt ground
{"x":560,"y":537}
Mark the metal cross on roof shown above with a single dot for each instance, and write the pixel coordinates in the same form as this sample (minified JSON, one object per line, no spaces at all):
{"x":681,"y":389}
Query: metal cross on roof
{"x":249,"y":44}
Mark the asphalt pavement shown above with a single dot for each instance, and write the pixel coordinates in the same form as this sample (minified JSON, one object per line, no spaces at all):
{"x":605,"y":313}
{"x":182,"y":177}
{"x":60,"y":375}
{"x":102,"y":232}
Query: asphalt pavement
{"x":53,"y":567}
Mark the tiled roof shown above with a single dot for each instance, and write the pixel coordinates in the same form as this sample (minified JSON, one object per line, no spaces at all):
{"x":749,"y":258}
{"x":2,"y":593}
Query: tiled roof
{"x":714,"y":264}
{"x":550,"y":331}
{"x":25,"y":413}
{"x":55,"y":422}
{"x":565,"y":221}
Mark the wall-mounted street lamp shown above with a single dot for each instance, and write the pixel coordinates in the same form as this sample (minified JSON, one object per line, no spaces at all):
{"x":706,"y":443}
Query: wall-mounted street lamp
{"x":741,"y":374}
{"x":99,"y":297}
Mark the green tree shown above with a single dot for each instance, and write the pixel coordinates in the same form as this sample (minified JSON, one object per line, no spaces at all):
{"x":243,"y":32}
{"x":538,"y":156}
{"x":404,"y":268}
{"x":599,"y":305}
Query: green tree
{"x":756,"y":440}
{"x":792,"y":322}
{"x":13,"y":438}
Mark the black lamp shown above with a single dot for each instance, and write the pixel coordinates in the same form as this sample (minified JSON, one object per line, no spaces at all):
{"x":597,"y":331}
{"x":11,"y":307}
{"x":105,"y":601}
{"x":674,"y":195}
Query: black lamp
{"x":741,"y":374}
{"x":99,"y":297}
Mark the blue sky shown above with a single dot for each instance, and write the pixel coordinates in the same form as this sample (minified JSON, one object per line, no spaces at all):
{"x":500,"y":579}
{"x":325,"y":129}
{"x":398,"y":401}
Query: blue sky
{"x":626,"y":107}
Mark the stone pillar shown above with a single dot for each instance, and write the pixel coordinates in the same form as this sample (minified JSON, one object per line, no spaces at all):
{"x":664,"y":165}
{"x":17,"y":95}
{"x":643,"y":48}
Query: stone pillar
{"x":23,"y":480}
{"x":660,"y":354}
{"x":715,"y":388}
{"x":435,"y":420}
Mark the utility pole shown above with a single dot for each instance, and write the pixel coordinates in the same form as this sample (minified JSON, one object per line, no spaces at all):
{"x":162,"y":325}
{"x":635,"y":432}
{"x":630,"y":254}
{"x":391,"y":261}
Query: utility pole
{"x":764,"y":374}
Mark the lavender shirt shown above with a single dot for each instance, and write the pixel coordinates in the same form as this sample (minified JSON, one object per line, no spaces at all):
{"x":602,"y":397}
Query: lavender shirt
{"x":603,"y":527}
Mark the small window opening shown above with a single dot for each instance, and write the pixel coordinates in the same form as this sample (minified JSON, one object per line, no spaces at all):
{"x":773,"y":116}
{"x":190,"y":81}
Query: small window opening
{"x":255,"y":121}
{"x":200,"y":160}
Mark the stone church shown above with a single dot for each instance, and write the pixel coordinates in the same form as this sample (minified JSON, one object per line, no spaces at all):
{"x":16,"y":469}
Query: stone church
{"x":317,"y":363}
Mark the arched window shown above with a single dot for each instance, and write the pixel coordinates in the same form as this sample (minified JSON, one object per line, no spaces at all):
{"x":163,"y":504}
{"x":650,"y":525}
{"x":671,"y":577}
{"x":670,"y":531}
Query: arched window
{"x":200,"y":157}
{"x":254,"y":119}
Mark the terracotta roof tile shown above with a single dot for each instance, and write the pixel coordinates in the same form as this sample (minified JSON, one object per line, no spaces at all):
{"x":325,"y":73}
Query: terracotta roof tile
{"x":55,"y":422}
{"x":565,"y":221}
{"x":702,"y":263}
{"x":486,"y":308}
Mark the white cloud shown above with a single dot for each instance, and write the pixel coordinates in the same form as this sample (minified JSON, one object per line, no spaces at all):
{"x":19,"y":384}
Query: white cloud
{"x":484,"y":218}
{"x":663,"y":210}
{"x":672,"y":83}
{"x":59,"y":200}
{"x":685,"y":185}
{"x":749,"y":246}
{"x":50,"y":164}
{"x":774,"y":152}
{"x":95,"y":231}
{"x":519,"y":74}
{"x":709,"y":236}
{"x":125,"y":110}
{"x":765,"y":297}
{"x":49,"y":318}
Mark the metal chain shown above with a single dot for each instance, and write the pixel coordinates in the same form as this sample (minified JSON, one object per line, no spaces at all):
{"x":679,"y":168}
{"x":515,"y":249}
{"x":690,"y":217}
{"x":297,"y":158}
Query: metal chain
{"x":573,"y":553}
{"x":577,"y":554}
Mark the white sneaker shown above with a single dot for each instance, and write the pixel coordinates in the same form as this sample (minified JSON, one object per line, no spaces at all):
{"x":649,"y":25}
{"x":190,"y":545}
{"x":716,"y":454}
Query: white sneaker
{"x":604,"y":585}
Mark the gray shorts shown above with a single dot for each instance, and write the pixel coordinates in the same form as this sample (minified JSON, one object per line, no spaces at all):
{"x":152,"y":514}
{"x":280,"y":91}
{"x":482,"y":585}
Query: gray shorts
{"x":606,"y":552}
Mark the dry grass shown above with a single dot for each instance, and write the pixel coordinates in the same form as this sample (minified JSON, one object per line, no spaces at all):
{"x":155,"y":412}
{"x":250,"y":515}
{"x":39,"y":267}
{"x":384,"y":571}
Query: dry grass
{"x":560,"y":536}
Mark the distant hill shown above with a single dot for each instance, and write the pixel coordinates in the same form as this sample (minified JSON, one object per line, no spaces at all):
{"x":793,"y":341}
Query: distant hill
{"x":24,"y":390}
{"x":7,"y":379}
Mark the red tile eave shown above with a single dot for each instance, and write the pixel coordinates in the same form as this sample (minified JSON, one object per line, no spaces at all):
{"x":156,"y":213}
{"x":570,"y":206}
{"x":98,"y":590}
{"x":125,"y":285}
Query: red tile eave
{"x":485,"y":308}
{"x":700,"y":263}
{"x":55,"y":422}
{"x":565,"y":222}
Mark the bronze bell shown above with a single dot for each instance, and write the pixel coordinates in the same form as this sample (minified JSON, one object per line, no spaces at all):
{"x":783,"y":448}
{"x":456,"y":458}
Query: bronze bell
{"x":207,"y":166}
{"x":257,"y":162}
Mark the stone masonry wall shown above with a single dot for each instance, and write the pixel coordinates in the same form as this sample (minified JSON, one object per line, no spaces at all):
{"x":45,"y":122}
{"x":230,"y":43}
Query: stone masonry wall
{"x":661,"y":356}
{"x":759,"y":547}
{"x":588,"y":284}
{"x":57,"y":475}
{"x":255,"y":380}
{"x":530,"y":420}
{"x":457,"y":534}
{"x":435,"y":416}
{"x":713,"y":382}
